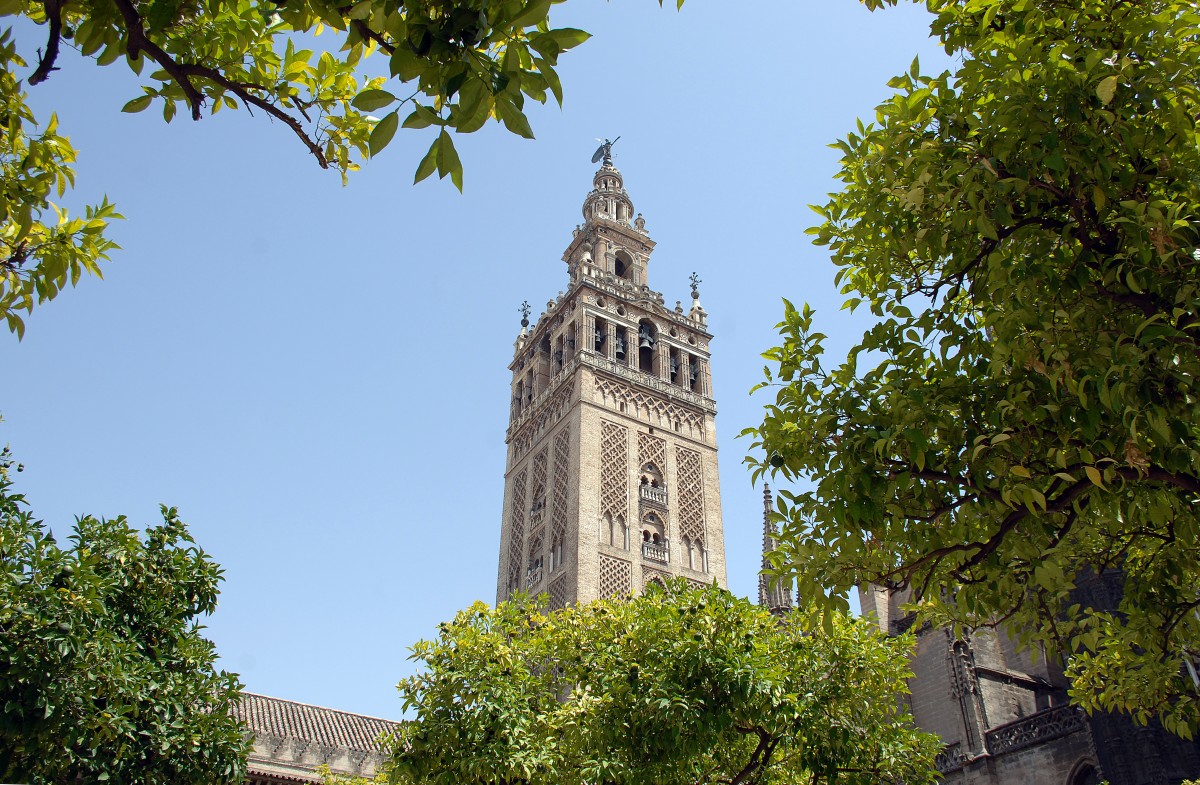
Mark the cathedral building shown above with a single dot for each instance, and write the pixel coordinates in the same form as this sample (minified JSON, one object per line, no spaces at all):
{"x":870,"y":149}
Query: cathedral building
{"x":611,"y":478}
{"x":1004,"y":715}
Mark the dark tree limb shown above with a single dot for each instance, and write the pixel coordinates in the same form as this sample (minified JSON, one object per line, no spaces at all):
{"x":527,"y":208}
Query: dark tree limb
{"x":183,"y":74}
{"x":46,"y":60}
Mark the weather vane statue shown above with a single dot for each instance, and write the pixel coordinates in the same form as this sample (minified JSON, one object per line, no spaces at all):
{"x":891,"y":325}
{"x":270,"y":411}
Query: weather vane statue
{"x":525,"y":313}
{"x":604,"y":151}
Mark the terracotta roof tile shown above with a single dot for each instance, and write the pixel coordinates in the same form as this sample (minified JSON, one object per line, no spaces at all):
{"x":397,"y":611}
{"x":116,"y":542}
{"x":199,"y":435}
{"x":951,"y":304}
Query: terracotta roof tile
{"x":275,"y":717}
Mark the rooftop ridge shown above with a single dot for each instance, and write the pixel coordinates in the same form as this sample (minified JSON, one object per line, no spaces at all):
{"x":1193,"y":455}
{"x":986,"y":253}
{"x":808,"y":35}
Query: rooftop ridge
{"x":272,"y":698}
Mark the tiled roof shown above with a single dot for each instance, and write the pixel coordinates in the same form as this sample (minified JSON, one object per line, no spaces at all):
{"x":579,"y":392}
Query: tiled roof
{"x":330,"y":728}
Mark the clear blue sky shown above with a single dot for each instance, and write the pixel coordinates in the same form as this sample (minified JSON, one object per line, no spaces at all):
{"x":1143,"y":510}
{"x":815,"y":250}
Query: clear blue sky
{"x":316,"y":375}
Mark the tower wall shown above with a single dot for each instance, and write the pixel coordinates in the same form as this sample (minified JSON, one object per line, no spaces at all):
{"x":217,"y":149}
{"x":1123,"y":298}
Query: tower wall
{"x":632,"y":493}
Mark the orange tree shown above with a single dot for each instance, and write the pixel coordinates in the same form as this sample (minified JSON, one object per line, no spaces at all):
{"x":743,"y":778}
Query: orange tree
{"x":1025,"y":409}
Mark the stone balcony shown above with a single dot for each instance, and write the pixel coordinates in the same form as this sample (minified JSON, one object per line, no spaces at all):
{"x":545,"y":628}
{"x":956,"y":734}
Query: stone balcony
{"x":652,"y":494}
{"x":656,"y":551}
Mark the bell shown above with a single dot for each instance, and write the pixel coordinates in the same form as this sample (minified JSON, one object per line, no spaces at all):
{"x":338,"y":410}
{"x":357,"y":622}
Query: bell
{"x":645,"y":341}
{"x":674,"y":366}
{"x":620,"y":347}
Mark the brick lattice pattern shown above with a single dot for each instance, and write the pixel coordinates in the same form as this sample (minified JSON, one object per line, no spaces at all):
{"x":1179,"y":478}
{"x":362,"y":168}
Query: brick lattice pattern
{"x":652,"y":449}
{"x":614,"y":477}
{"x":690,"y":494}
{"x":616,"y":576}
{"x":516,"y":545}
{"x":558,"y":508}
{"x":558,"y":593}
{"x":537,"y":510}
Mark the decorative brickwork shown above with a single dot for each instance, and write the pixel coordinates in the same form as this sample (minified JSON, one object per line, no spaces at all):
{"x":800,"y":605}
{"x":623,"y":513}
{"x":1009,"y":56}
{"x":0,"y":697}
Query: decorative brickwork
{"x":537,"y":507}
{"x":529,"y":429}
{"x":616,"y":576}
{"x":690,"y":494}
{"x":649,"y":574}
{"x":614,"y":468}
{"x":652,"y":449}
{"x":652,"y":408}
{"x":559,"y":593}
{"x":558,"y":510}
{"x":516,"y":543}
{"x":533,"y":575}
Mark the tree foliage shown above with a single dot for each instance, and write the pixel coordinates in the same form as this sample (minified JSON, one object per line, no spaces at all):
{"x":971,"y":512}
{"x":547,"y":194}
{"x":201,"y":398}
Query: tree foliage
{"x":1025,"y":409}
{"x":104,"y":675}
{"x":453,"y":65}
{"x":677,"y":686}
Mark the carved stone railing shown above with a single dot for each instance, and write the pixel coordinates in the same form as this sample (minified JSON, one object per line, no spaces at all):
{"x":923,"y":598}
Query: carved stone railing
{"x":652,"y":494}
{"x":533,"y":576}
{"x":656,"y":551}
{"x":951,"y":758}
{"x":670,"y":391}
{"x":1036,"y":728}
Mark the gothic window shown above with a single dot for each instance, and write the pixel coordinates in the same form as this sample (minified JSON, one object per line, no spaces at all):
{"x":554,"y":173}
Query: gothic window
{"x":689,"y":553}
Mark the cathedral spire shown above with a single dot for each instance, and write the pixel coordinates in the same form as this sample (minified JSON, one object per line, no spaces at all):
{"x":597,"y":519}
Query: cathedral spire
{"x":773,"y":594}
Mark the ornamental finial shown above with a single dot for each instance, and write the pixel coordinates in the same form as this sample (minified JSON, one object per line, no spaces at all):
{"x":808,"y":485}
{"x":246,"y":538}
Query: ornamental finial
{"x":695,"y":279}
{"x":525,"y":309}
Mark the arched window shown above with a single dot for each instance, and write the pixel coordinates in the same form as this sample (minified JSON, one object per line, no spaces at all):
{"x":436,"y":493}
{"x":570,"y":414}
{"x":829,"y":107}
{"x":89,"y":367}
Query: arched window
{"x":647,"y":339}
{"x":623,"y":266}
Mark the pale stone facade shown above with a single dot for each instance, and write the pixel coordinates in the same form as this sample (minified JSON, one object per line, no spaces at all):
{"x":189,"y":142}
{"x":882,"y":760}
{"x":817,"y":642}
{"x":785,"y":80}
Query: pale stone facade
{"x":611,"y":479}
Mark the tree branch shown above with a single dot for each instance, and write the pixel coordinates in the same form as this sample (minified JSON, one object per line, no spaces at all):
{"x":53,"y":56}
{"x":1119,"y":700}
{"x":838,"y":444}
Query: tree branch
{"x":182,"y":73}
{"x":46,"y":61}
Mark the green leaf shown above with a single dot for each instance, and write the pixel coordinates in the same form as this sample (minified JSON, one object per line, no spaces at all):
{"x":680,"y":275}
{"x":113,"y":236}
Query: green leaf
{"x":448,"y":161}
{"x":137,"y":104}
{"x":1094,"y":475}
{"x":1107,"y":89}
{"x":429,"y":163}
{"x":370,"y":100}
{"x":383,"y":132}
{"x":513,"y":118}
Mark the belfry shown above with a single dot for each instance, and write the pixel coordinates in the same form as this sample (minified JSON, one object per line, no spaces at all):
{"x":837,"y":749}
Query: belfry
{"x":611,"y":478}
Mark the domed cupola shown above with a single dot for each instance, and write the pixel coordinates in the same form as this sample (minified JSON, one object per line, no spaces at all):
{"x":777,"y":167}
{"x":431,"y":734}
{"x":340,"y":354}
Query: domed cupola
{"x":608,"y":198}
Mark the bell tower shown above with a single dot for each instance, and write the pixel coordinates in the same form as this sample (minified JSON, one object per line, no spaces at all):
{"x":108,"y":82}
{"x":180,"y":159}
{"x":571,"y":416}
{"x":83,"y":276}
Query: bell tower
{"x":611,"y":479}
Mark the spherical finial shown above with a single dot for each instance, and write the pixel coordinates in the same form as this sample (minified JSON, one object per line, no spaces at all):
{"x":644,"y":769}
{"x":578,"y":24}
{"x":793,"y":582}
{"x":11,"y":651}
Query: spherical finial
{"x":525,"y":309}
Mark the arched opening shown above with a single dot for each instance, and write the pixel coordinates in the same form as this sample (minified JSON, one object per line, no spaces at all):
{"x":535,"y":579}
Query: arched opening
{"x":654,"y":538}
{"x":622,"y":344}
{"x":647,"y":339}
{"x":1084,"y":774}
{"x":623,"y":264}
{"x":650,"y":484}
{"x":599,"y":336}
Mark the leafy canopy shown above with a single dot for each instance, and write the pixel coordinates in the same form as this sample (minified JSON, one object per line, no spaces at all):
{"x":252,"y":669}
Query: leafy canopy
{"x":453,"y":65}
{"x":1025,"y":411}
{"x":104,"y":675}
{"x":680,"y":685}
